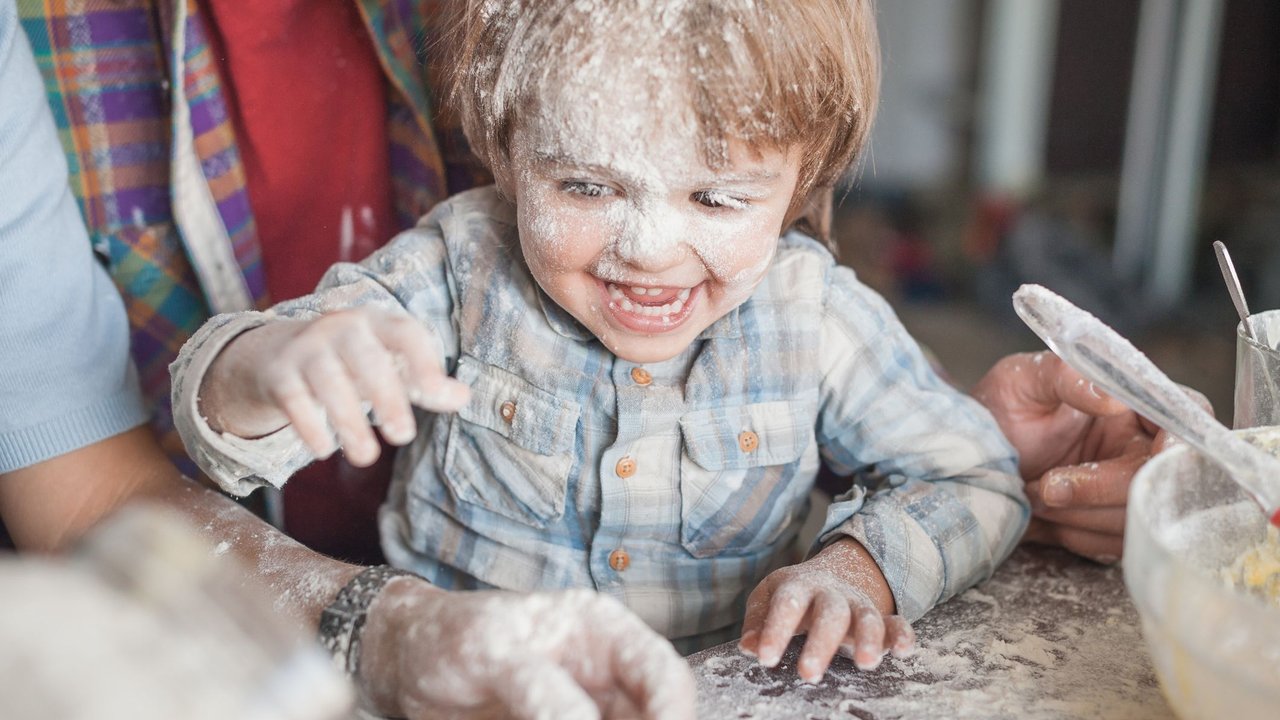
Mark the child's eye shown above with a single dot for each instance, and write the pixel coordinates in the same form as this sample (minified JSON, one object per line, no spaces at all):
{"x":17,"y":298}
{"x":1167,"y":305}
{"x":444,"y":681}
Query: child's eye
{"x":717,"y":199}
{"x":586,"y":189}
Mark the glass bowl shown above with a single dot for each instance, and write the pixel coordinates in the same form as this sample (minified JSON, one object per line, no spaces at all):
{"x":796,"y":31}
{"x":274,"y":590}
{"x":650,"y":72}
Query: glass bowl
{"x":1216,"y":648}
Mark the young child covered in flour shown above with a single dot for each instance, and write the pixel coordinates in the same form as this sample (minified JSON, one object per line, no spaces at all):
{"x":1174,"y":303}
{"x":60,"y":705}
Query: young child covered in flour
{"x":626,"y":361}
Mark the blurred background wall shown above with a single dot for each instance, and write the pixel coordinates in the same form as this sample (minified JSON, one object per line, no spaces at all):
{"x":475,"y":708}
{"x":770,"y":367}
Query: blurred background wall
{"x":1097,"y":147}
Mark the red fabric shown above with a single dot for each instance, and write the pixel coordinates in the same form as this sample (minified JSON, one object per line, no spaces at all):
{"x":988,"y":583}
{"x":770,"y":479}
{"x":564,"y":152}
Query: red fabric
{"x":309,"y":108}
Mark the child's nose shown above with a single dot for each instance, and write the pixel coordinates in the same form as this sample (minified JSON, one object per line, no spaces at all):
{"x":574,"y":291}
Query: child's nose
{"x":652,"y":248}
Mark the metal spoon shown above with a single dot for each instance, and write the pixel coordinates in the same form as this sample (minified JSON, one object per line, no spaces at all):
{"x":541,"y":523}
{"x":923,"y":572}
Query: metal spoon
{"x":1233,"y":287}
{"x":1111,"y":362}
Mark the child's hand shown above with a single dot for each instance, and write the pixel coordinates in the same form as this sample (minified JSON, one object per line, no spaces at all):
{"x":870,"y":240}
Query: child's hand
{"x":839,"y":598}
{"x":329,"y":372}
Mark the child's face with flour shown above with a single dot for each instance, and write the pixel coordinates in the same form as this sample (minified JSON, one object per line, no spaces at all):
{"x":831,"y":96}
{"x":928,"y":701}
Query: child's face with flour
{"x":624,"y":224}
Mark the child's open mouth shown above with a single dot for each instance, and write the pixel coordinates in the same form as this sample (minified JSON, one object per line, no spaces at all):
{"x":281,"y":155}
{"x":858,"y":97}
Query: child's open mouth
{"x":650,"y":309}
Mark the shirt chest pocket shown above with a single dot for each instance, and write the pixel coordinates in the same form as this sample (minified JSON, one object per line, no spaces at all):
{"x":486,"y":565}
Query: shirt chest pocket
{"x":745,"y":475}
{"x":510,"y":450}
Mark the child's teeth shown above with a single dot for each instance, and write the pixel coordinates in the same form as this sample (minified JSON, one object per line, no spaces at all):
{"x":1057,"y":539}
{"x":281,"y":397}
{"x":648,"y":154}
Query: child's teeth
{"x":663,"y":311}
{"x":666,"y":310}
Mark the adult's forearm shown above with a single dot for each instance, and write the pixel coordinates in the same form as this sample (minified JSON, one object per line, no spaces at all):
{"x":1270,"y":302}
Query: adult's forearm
{"x":299,"y":581}
{"x":48,"y":506}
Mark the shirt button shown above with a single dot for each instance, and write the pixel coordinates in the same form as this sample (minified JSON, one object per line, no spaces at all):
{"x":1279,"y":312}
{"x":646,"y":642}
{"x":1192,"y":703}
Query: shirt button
{"x":619,"y":560}
{"x":748,"y":441}
{"x":508,"y":411}
{"x":626,"y":467}
{"x":641,"y":376}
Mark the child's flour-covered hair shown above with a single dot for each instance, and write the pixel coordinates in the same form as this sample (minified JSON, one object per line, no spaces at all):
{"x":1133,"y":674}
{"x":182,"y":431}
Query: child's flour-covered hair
{"x":779,"y":73}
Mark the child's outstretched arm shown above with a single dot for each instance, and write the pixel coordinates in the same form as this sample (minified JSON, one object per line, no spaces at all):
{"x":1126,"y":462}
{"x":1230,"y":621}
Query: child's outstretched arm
{"x":258,"y":395}
{"x":319,"y":373}
{"x":839,"y":599}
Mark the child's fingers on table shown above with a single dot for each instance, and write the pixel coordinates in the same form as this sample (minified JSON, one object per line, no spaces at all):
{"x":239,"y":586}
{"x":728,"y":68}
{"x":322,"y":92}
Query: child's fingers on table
{"x":537,"y":688}
{"x":377,"y":381}
{"x":828,"y":625}
{"x":291,"y":394}
{"x":757,"y":611}
{"x":868,"y":633}
{"x":787,"y":608}
{"x":336,"y":391}
{"x":899,"y":636}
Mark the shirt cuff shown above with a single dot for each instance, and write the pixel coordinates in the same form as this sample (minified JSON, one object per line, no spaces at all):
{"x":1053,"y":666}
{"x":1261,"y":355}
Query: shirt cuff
{"x":907,"y":555}
{"x":238,"y":465}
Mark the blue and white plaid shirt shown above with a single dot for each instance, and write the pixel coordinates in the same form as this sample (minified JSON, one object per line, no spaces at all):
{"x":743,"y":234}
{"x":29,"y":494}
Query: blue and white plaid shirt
{"x":528,"y":486}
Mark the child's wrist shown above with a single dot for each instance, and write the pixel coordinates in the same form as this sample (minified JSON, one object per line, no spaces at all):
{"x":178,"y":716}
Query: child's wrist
{"x":848,"y":558}
{"x":229,"y":398}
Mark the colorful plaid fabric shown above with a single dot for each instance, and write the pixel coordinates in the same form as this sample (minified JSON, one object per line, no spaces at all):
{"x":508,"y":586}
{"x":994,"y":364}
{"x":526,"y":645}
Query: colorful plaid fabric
{"x":108,"y":67}
{"x":105,"y":78}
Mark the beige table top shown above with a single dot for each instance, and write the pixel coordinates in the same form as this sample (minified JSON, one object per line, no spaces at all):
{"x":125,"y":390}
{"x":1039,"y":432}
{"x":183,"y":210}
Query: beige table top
{"x":1048,"y":636}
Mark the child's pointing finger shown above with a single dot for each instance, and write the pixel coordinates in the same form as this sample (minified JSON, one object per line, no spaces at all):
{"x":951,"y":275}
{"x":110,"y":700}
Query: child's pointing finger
{"x":371,"y":366}
{"x":418,"y":351}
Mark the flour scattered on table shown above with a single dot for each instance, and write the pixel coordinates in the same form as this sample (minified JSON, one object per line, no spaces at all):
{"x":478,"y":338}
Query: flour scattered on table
{"x":1046,"y":637}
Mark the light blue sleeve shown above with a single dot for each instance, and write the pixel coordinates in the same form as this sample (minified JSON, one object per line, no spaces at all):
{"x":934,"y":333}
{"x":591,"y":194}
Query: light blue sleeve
{"x":66,"y":379}
{"x":938,"y":502}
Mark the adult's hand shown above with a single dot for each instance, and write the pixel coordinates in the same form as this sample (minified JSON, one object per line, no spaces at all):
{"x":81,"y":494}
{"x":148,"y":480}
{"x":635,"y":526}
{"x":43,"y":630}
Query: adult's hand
{"x":573,"y":655}
{"x":1079,"y":449}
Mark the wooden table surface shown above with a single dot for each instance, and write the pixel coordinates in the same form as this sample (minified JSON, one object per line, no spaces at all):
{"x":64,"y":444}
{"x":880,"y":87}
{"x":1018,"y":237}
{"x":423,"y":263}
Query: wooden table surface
{"x":1048,"y":636}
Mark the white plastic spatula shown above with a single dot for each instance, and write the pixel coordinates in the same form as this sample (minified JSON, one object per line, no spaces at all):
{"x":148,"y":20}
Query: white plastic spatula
{"x":1114,"y":364}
